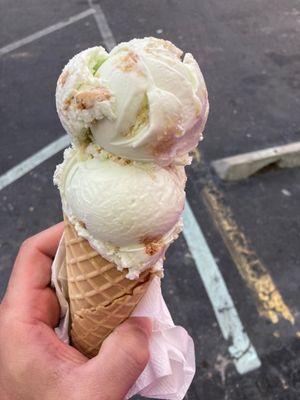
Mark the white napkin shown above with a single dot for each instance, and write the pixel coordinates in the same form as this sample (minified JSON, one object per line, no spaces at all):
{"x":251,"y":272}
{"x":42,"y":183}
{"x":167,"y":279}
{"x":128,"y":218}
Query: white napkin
{"x":171,"y":367}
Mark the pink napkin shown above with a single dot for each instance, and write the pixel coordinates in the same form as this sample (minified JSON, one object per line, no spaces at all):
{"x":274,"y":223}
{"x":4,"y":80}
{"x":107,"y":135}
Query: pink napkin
{"x":171,"y":367}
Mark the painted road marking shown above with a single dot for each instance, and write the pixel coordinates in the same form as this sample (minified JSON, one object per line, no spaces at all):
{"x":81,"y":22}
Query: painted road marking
{"x":241,"y":350}
{"x":101,"y":21}
{"x":243,"y":353}
{"x":31,"y":162}
{"x":270,"y":303}
{"x":43,"y":32}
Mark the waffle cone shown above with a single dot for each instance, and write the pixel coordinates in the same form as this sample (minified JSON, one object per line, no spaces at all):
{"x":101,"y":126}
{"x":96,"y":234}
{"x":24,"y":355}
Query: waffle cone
{"x":100,"y":296}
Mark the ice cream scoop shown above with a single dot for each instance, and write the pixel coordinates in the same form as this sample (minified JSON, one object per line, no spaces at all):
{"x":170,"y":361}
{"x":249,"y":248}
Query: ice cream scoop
{"x":129,"y":211}
{"x":141,"y":101}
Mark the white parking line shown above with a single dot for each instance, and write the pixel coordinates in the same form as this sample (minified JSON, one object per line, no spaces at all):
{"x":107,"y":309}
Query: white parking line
{"x":43,"y":32}
{"x":31,"y":162}
{"x":241,"y":350}
{"x":106,"y":33}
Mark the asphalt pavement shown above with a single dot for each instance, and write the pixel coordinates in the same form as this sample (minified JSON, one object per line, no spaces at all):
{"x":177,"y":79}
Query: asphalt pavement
{"x":249,"y":53}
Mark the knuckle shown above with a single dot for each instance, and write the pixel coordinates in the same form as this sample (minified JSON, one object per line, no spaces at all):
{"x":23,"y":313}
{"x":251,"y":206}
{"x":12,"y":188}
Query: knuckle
{"x":28,"y":243}
{"x":28,"y":246}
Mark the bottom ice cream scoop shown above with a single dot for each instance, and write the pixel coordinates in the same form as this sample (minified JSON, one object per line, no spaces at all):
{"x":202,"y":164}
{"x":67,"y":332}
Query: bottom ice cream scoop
{"x":129,"y":211}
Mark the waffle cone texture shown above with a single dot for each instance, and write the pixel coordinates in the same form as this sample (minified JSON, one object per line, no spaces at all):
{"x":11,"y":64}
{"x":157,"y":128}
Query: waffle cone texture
{"x":100,"y":296}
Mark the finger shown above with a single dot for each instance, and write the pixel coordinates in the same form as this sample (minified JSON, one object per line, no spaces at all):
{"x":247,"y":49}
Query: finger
{"x":47,"y":241}
{"x":28,"y":292}
{"x":46,"y":309}
{"x":32,"y":267}
{"x":122,"y":358}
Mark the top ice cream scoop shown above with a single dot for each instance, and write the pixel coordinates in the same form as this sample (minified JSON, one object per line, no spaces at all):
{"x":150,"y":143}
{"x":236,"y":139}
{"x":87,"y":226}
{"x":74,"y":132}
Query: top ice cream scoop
{"x":141,"y":101}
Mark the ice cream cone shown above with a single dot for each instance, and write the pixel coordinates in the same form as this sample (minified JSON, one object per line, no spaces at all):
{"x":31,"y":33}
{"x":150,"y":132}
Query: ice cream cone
{"x":122,"y":180}
{"x":100,"y":296}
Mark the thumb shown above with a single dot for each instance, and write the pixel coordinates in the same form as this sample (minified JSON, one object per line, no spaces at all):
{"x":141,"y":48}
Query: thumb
{"x":122,"y":358}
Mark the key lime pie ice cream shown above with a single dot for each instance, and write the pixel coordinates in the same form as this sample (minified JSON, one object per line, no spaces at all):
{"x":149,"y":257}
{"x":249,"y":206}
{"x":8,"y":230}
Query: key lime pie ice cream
{"x":133,"y":116}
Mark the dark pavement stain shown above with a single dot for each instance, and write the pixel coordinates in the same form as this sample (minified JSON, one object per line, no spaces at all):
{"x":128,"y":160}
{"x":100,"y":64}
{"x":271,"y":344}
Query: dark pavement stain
{"x":256,"y":80}
{"x":293,"y":81}
{"x":283,"y":60}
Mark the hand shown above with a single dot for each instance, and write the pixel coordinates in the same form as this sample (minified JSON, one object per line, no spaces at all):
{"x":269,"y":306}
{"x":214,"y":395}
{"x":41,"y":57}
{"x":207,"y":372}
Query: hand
{"x":34,"y":363}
